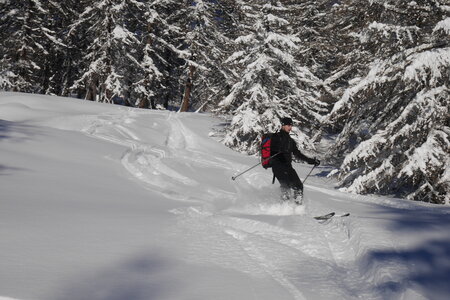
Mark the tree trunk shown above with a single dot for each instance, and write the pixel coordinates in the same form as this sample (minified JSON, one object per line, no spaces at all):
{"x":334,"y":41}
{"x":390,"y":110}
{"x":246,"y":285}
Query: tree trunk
{"x":187,"y":90}
{"x":144,"y":103}
{"x":91,"y":93}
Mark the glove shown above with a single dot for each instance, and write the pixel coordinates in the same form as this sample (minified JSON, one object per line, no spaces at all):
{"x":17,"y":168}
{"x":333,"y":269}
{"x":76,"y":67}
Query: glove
{"x":316,"y":162}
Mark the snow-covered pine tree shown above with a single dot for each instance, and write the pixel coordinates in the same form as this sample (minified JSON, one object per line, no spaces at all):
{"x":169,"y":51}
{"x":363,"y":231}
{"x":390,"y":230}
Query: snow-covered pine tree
{"x":60,"y":16}
{"x":396,"y":120}
{"x":70,"y":61}
{"x":203,"y":51}
{"x":270,"y":83}
{"x":110,"y":59}
{"x":318,"y":25}
{"x":29,"y":44}
{"x":162,"y":55}
{"x":6,"y":76}
{"x":153,"y":69}
{"x":334,"y":46}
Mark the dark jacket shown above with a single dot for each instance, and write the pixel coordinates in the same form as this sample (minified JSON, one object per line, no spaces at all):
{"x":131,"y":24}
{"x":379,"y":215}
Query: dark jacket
{"x":282,"y":143}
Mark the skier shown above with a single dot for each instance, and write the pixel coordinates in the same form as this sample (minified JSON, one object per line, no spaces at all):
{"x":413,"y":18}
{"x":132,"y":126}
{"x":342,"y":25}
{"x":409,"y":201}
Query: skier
{"x":282,"y":169}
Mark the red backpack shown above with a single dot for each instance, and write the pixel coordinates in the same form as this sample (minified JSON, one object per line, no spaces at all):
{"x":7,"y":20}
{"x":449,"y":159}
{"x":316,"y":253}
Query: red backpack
{"x":266,"y":141}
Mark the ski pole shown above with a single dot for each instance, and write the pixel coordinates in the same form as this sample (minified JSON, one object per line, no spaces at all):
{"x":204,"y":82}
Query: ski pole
{"x":236,"y":176}
{"x":309,"y":174}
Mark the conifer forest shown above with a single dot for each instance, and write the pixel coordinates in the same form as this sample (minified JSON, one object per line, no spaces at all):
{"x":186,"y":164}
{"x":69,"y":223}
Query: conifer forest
{"x":365,"y":81}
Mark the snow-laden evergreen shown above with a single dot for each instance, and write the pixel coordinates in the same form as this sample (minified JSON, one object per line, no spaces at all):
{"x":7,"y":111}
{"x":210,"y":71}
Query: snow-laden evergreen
{"x":270,"y":83}
{"x":150,"y":88}
{"x":110,"y":57}
{"x":204,"y":44}
{"x":395,"y":137}
{"x":30,"y":39}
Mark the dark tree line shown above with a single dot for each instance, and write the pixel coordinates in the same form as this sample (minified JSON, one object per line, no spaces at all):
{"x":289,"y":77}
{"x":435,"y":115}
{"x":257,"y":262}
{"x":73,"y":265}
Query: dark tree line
{"x":132,"y":52}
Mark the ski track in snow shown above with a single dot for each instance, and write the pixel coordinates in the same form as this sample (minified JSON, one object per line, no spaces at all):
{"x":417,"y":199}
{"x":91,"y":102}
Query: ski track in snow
{"x":233,"y":237}
{"x":239,"y":226}
{"x":261,"y":239}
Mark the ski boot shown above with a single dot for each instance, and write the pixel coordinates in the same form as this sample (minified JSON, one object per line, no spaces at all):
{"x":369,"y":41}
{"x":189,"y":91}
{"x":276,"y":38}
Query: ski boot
{"x":285,"y":194}
{"x":298,"y":197}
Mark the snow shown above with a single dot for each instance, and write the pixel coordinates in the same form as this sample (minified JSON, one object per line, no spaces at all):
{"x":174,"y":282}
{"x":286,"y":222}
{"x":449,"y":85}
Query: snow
{"x":245,"y":38}
{"x":387,"y":29}
{"x":107,"y":202}
{"x":444,"y":25}
{"x":428,"y":64}
{"x":272,"y":19}
{"x":120,"y":33}
{"x":283,"y":40}
{"x":4,"y":79}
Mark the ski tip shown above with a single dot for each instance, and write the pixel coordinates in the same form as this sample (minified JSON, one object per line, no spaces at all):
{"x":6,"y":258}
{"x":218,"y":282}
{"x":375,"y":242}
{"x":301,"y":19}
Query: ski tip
{"x":324,"y":217}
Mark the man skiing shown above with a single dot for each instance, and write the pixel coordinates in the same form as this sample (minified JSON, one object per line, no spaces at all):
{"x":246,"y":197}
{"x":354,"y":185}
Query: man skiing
{"x":282,"y":168}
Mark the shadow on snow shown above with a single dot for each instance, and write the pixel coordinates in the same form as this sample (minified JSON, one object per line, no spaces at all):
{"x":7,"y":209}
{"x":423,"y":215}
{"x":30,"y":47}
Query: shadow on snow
{"x":425,"y":267}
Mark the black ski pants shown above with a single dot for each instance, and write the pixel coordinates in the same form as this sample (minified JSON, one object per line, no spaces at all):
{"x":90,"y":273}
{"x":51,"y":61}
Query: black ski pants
{"x":287,"y":177}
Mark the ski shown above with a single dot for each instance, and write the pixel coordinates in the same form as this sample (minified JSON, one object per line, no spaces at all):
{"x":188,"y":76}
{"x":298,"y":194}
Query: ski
{"x":325,"y":217}
{"x":330,"y":215}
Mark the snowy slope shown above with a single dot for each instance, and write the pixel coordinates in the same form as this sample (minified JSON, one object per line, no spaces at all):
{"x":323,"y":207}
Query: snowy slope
{"x":107,"y":202}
